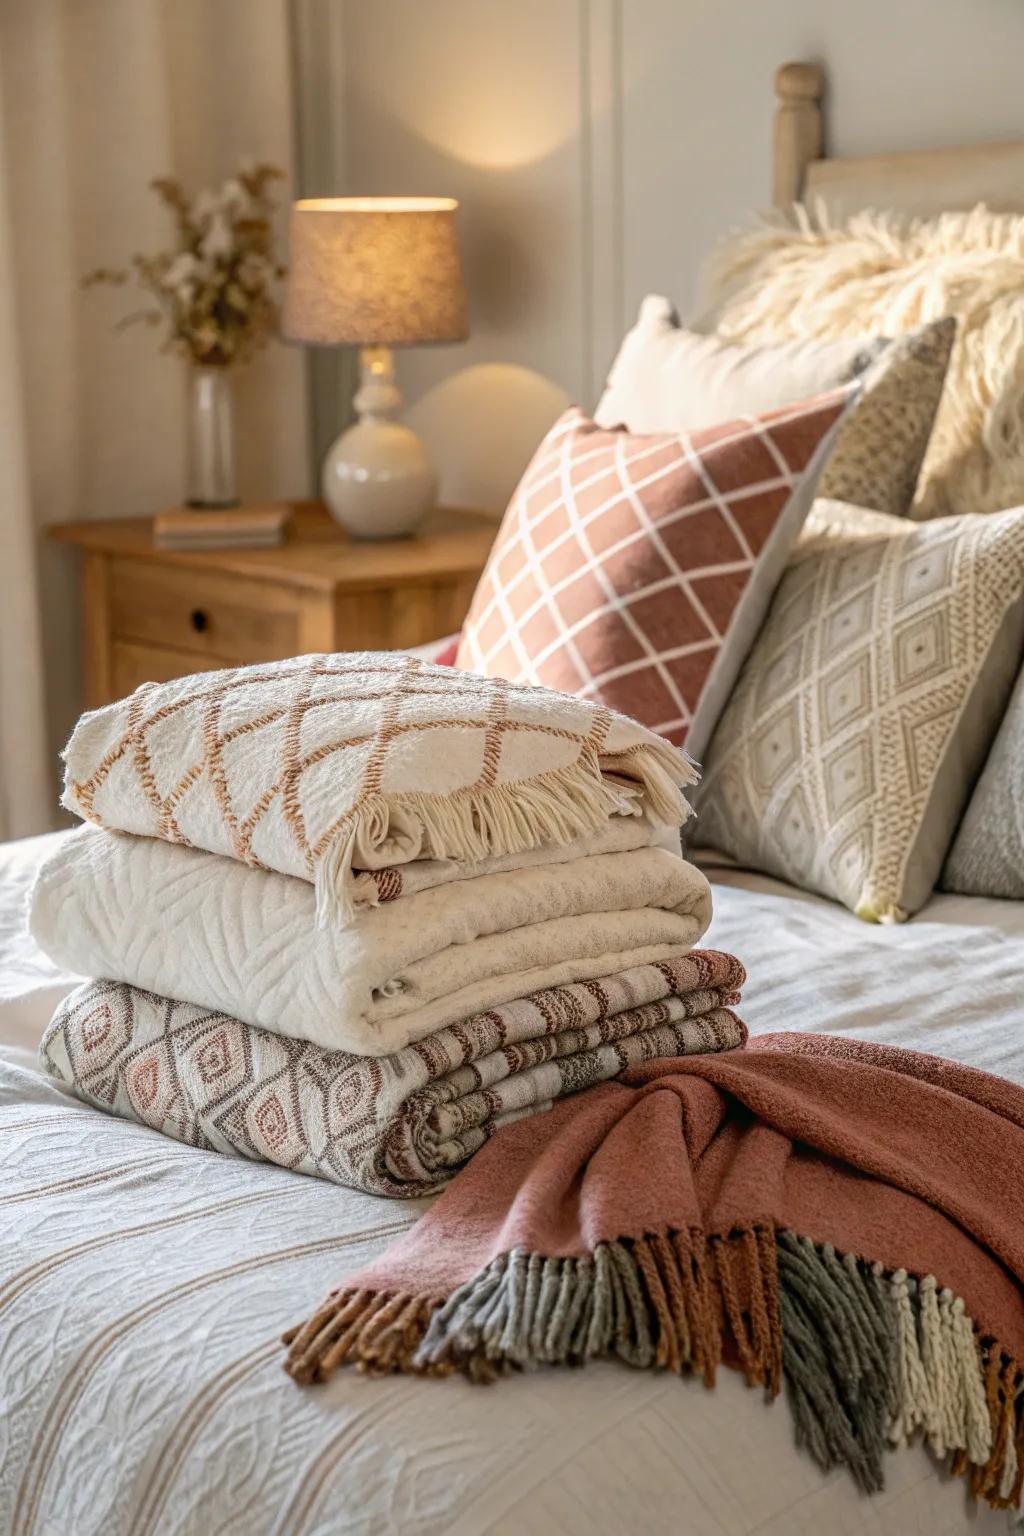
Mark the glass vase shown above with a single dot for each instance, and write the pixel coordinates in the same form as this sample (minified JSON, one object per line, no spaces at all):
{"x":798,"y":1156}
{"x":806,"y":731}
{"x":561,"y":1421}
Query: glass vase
{"x":212,"y":469}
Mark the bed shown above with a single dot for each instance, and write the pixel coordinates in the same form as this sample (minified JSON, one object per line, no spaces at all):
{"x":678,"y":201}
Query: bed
{"x":142,"y":1384}
{"x":98,"y":1299}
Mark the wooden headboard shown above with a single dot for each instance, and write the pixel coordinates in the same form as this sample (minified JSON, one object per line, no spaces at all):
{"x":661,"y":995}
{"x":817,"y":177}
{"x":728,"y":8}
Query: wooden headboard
{"x":918,"y":182}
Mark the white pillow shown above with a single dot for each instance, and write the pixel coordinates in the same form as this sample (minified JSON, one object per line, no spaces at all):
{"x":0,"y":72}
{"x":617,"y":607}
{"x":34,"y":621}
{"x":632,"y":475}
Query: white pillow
{"x":667,"y":379}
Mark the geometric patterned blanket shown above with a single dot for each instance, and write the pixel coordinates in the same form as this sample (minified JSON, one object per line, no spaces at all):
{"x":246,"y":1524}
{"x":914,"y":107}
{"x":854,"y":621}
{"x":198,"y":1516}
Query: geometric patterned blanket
{"x":395,"y":1125}
{"x":319,"y":765}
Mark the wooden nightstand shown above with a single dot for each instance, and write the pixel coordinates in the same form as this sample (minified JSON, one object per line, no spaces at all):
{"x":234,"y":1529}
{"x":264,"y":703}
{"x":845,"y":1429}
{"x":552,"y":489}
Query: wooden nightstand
{"x":153,"y":614}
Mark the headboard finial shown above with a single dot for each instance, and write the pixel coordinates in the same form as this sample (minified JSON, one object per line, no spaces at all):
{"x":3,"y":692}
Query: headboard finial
{"x":799,"y":82}
{"x":798,"y":135}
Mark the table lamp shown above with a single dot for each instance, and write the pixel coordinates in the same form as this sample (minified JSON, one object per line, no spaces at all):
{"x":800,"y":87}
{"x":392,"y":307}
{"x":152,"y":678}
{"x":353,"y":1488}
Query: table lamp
{"x":377,"y":273}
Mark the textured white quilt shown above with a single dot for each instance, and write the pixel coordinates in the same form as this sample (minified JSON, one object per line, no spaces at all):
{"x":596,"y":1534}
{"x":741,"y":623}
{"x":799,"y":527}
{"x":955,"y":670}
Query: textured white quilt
{"x":143,"y":1286}
{"x":209,"y":930}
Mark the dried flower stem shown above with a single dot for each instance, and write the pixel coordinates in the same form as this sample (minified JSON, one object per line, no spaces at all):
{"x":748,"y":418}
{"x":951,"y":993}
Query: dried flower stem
{"x":215,"y":287}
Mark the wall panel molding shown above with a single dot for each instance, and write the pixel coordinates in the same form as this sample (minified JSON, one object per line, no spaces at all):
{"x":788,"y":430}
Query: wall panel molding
{"x":602,"y":236}
{"x":317,"y":40}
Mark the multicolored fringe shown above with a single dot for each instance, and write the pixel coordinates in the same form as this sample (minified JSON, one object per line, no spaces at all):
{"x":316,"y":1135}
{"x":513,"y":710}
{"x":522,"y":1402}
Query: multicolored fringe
{"x":869,"y":1357}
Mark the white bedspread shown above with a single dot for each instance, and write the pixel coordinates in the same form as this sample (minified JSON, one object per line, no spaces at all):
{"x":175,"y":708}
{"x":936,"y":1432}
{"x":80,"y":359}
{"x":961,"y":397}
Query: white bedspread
{"x":143,"y":1285}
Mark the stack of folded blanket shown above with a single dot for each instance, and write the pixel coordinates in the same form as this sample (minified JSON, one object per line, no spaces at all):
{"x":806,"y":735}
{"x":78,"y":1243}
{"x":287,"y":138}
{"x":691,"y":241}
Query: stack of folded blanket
{"x":351,"y":913}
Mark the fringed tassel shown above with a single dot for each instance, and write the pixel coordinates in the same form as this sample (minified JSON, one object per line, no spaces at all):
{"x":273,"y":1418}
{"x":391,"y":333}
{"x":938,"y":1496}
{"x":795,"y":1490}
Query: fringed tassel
{"x":869,"y":1359}
{"x":872,"y":1359}
{"x":378,"y":1332}
{"x":837,"y":1372}
{"x":333,"y":885}
{"x":661,"y":1301}
{"x":555,"y":807}
{"x":747,"y":1275}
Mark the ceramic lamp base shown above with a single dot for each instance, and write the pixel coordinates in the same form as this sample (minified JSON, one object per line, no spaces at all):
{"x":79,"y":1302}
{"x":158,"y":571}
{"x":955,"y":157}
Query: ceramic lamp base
{"x":377,"y":480}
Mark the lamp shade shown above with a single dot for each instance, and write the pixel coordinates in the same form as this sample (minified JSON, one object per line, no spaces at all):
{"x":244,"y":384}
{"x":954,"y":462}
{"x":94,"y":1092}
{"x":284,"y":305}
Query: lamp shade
{"x":374,"y":271}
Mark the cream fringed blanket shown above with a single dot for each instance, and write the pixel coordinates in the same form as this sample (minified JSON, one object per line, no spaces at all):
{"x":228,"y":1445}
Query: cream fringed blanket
{"x":207,"y":930}
{"x":843,"y":1218}
{"x":324,"y":764}
{"x":393,"y":1125}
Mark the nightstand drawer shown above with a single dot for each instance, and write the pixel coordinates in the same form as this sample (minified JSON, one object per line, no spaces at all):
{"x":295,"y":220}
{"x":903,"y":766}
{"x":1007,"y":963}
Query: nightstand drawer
{"x":132,"y":663}
{"x":209,"y":614}
{"x":151,"y":613}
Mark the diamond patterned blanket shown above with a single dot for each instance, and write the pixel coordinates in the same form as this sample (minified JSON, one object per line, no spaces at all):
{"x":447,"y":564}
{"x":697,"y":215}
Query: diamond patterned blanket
{"x":395,"y":1125}
{"x":322,"y":765}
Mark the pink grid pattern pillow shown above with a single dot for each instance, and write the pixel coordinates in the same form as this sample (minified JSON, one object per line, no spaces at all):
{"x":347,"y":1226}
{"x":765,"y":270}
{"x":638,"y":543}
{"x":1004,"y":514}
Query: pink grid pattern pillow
{"x":637,"y":569}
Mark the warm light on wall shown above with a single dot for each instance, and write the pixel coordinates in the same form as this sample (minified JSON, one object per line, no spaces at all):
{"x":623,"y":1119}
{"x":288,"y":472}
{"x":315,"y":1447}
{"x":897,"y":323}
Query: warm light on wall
{"x":482,"y":425}
{"x":484,"y":127}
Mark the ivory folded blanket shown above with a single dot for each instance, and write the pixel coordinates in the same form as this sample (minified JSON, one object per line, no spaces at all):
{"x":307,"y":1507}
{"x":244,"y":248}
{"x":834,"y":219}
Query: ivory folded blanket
{"x":844,"y":1217}
{"x":322,"y":765}
{"x":394,"y":1125}
{"x":620,"y":834}
{"x":208,"y":930}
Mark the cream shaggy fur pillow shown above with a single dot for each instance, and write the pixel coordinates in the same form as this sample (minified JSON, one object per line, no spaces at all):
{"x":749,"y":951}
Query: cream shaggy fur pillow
{"x":877,"y":273}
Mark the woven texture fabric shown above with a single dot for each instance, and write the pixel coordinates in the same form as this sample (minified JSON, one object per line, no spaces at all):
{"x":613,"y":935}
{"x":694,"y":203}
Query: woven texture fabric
{"x":667,"y":379}
{"x":318,"y":764}
{"x":637,"y":569}
{"x":881,"y":445}
{"x":848,"y":749}
{"x":390,"y":1125}
{"x":987,"y":856}
{"x":838,"y":1217}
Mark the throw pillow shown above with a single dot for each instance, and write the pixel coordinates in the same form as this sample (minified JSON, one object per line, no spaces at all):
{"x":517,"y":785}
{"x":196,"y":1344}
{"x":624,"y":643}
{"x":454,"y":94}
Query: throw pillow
{"x":667,"y":379}
{"x":846,"y":753}
{"x":987,"y":857}
{"x":636,"y":570}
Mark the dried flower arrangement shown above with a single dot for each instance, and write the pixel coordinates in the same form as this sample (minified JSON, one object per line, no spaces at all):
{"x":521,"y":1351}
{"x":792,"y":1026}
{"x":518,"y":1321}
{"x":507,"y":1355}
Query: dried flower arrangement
{"x":215,"y":289}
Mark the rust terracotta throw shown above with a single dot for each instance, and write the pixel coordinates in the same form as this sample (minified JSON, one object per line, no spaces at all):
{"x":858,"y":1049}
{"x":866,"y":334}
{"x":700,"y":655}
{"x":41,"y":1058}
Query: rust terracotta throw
{"x":842,"y":1217}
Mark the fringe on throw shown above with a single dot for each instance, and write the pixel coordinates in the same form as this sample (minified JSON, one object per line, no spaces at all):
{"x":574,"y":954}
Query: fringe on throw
{"x":473,"y":824}
{"x":870,"y":1358}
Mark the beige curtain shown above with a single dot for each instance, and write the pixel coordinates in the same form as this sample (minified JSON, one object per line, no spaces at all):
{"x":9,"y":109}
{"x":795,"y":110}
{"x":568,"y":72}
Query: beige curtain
{"x":23,"y":774}
{"x":98,"y":97}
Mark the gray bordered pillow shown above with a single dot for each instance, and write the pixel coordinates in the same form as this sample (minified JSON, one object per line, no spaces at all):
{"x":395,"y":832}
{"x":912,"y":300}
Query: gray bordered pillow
{"x":864,"y":711}
{"x":987,"y":856}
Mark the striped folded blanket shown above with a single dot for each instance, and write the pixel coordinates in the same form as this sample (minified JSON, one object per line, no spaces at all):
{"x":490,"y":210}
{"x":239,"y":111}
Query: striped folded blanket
{"x":394,"y":1125}
{"x":843,"y":1217}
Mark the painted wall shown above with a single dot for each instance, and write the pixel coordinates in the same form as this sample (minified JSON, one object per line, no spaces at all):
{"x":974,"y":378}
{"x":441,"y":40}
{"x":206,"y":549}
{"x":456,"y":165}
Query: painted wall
{"x":600,"y":147}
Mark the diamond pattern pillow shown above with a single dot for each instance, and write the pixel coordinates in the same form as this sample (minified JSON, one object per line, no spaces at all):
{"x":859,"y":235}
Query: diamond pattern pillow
{"x":866,"y":706}
{"x":636,"y":570}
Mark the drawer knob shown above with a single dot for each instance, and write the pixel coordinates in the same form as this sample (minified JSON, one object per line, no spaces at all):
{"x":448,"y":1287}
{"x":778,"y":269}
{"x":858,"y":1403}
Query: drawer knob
{"x":199,"y":619}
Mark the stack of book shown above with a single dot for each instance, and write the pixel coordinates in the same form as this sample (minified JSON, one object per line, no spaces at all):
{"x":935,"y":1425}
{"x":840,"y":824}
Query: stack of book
{"x":220,"y":528}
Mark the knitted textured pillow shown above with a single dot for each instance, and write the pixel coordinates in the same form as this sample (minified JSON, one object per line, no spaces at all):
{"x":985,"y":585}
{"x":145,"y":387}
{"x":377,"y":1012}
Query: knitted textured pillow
{"x":667,"y":379}
{"x":848,"y":748}
{"x":808,"y":276}
{"x":637,"y":570}
{"x":987,"y":857}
